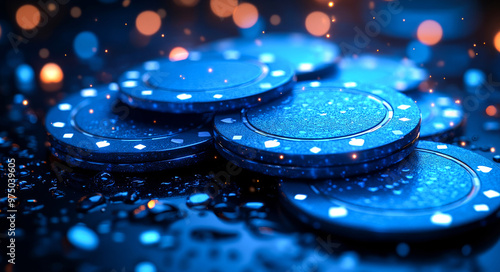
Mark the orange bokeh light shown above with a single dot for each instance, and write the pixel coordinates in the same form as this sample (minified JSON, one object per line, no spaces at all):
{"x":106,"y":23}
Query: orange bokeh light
{"x":187,"y":3}
{"x":178,"y":53}
{"x":491,"y":110}
{"x":75,"y":12}
{"x":275,"y":19}
{"x":28,"y":17}
{"x":245,"y":15}
{"x":496,"y":41}
{"x":148,"y":23}
{"x":429,"y":32}
{"x":51,"y":73}
{"x":317,"y":23}
{"x":223,"y":8}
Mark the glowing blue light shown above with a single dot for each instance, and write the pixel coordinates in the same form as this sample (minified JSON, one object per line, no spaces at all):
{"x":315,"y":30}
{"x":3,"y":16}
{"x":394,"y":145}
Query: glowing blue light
{"x":418,"y":52}
{"x":254,"y":205}
{"x":474,"y":77}
{"x":198,"y":198}
{"x":86,"y":44}
{"x":149,"y":237}
{"x":25,"y":73}
{"x":145,"y":267}
{"x":83,"y":238}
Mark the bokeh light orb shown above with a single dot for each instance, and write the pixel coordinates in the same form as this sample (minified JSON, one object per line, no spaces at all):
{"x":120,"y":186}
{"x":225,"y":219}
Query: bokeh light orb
{"x":275,"y":19}
{"x":51,"y":77}
{"x":245,"y":15}
{"x":317,"y":23}
{"x":474,"y":77}
{"x":496,"y":41}
{"x":429,"y":32}
{"x":28,"y":17}
{"x":86,"y":44}
{"x":51,"y":73}
{"x":223,"y":8}
{"x":187,"y":3}
{"x":178,"y":53}
{"x":75,"y":12}
{"x":148,"y":23}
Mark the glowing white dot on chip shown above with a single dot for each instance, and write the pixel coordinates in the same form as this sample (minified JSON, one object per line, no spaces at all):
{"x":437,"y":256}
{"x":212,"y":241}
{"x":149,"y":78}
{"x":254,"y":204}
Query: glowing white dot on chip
{"x":300,"y":197}
{"x":129,"y":84}
{"x":442,"y":147}
{"x":277,"y":73}
{"x":335,"y":212}
{"x":266,"y":58}
{"x":140,"y":146}
{"x":441,"y":219}
{"x":147,"y":92}
{"x":491,"y":194}
{"x":132,"y":74}
{"x":305,"y":67}
{"x":265,"y":85}
{"x":102,"y":144}
{"x":58,"y":124}
{"x":315,"y":150}
{"x":481,"y":208}
{"x":217,"y":96}
{"x":315,"y":84}
{"x":89,"y":92}
{"x":68,"y":135}
{"x":404,"y":107}
{"x":183,"y":96}
{"x":64,"y":107}
{"x":350,"y":84}
{"x":237,"y":137}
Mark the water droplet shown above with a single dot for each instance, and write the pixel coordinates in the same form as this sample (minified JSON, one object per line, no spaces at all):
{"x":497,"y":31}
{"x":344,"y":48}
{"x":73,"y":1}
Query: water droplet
{"x":227,"y":211}
{"x":198,"y":201}
{"x":149,"y":237}
{"x":90,"y":202}
{"x":104,"y":179}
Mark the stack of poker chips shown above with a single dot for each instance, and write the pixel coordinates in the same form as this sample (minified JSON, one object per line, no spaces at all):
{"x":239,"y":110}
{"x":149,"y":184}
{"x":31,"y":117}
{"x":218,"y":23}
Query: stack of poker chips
{"x":346,"y":152}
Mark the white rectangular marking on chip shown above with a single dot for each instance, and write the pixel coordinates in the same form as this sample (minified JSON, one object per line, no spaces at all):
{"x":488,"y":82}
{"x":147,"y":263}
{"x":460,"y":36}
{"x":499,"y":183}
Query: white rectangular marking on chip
{"x":132,"y":74}
{"x":305,"y":67}
{"x":442,"y":146}
{"x":58,"y":124}
{"x":404,"y":107}
{"x":266,"y":58}
{"x":481,"y":208}
{"x":217,"y":96}
{"x":300,"y":197}
{"x":315,"y":84}
{"x":484,"y":169}
{"x":442,"y":219}
{"x":237,"y":137}
{"x":335,"y":212}
{"x":491,"y":194}
{"x":265,"y":85}
{"x":277,"y":73}
{"x":140,"y":146}
{"x":204,"y":134}
{"x":231,"y":54}
{"x":451,"y":113}
{"x":404,"y":119}
{"x":350,"y":84}
{"x":64,"y":107}
{"x":102,"y":144}
{"x":397,"y":132}
{"x":151,"y":66}
{"x":89,"y":92}
{"x":315,"y":150}
{"x":438,"y":125}
{"x":147,"y":92}
{"x":177,"y":141}
{"x":271,"y":143}
{"x":68,"y":135}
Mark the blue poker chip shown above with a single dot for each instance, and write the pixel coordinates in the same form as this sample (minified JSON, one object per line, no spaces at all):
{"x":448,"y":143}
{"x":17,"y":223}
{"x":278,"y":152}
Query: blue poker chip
{"x":442,"y":117}
{"x":311,"y":56}
{"x":139,"y":167}
{"x":439,"y":190}
{"x":296,"y":172}
{"x":94,"y":125}
{"x":322,"y":125}
{"x":205,"y":82}
{"x":400,"y":74}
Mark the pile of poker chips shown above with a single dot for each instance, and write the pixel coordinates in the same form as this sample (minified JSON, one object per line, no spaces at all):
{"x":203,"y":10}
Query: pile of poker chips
{"x":346,"y":151}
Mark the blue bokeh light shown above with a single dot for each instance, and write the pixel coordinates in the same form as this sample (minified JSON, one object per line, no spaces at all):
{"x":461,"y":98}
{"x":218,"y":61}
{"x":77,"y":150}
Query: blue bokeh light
{"x":86,"y":44}
{"x":418,"y":52}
